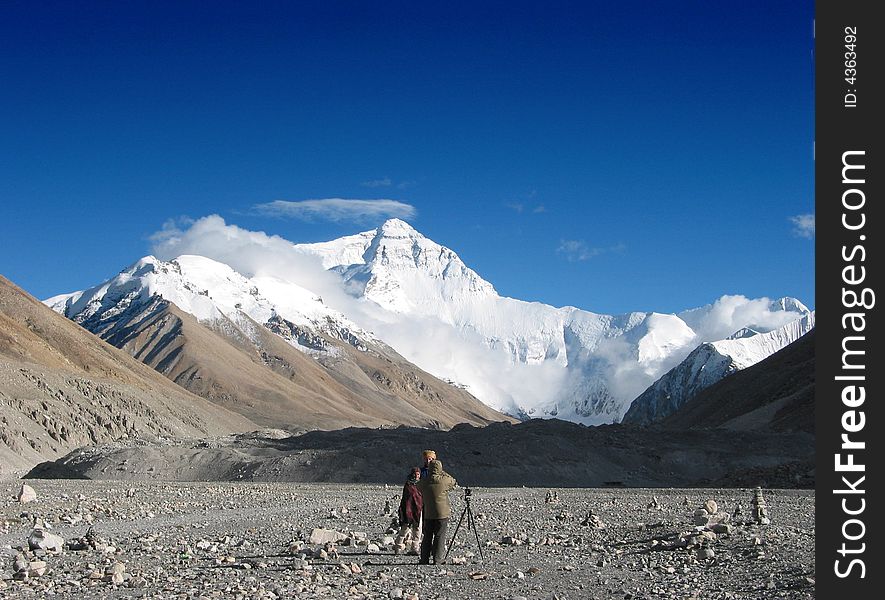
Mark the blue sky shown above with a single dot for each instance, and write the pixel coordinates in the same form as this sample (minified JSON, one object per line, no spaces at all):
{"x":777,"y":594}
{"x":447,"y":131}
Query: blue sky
{"x":611,"y":156}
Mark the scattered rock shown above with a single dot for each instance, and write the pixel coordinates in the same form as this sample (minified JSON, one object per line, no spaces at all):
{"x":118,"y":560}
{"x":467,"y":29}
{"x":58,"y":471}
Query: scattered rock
{"x":705,"y":553}
{"x":37,"y":568}
{"x":211,"y":544}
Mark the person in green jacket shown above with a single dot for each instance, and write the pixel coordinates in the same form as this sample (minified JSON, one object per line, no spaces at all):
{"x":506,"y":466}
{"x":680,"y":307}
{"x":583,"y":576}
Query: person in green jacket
{"x":435,"y":490}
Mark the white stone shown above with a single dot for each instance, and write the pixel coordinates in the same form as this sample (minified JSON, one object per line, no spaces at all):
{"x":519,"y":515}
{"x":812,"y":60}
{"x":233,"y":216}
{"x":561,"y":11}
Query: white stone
{"x":321,"y":536}
{"x":40,"y":539}
{"x":26,"y":494}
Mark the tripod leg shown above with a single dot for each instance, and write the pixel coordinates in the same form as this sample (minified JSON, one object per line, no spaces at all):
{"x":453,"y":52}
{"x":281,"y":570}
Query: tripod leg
{"x":472,"y":523}
{"x":457,"y":527}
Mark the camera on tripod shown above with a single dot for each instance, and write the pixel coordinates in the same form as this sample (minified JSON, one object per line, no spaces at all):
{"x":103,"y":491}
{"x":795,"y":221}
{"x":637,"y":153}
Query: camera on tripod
{"x":471,"y":524}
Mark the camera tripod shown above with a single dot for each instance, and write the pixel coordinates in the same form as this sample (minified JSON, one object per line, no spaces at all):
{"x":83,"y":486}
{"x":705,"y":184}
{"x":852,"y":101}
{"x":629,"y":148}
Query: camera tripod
{"x":471,"y":523}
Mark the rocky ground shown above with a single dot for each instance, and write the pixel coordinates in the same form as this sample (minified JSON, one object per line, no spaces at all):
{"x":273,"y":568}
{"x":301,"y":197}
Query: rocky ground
{"x":266,"y":540}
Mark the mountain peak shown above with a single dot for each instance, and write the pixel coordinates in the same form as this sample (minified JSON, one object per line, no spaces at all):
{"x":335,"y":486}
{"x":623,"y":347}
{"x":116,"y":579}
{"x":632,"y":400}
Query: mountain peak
{"x":397,"y":228}
{"x":143,"y":265}
{"x":790,"y":305}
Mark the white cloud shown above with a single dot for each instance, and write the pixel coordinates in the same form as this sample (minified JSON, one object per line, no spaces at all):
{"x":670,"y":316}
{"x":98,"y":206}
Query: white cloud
{"x":731,"y":313}
{"x":578,"y":250}
{"x":171,"y":230}
{"x":803,"y":225}
{"x":461,"y":355}
{"x":251,"y":253}
{"x":336,"y":209}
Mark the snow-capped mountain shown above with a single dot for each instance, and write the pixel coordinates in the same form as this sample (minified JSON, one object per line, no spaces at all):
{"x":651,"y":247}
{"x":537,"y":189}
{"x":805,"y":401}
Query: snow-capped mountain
{"x":396,"y":288}
{"x":709,"y":363}
{"x":526,"y":358}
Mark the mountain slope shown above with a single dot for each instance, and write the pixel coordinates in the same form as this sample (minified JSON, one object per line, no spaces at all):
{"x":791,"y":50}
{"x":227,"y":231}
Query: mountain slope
{"x":263,"y":347}
{"x":708,"y":364}
{"x":777,"y":394}
{"x":62,"y":388}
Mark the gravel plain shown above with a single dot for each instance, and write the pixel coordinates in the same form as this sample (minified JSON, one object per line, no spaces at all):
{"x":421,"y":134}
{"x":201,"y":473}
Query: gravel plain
{"x":253,"y":541}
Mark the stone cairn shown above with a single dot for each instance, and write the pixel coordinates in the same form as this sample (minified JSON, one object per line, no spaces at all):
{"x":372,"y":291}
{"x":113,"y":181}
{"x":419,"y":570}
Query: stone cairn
{"x":593,"y":520}
{"x":655,"y":504}
{"x":90,"y":541}
{"x":760,"y":509}
{"x":551,"y":497}
{"x":26,"y":566}
{"x":710,"y":522}
{"x":710,"y":517}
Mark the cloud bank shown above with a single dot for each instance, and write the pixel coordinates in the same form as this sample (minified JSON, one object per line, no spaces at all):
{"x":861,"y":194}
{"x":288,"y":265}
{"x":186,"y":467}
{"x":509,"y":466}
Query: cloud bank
{"x":730,"y":313}
{"x":336,"y":209}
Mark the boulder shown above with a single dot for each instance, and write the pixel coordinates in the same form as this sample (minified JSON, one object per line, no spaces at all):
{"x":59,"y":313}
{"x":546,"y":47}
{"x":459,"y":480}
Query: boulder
{"x":40,"y":539}
{"x":26,"y":494}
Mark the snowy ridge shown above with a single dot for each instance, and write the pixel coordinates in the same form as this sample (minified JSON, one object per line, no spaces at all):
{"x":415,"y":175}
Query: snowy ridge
{"x":211,"y":292}
{"x":709,"y":363}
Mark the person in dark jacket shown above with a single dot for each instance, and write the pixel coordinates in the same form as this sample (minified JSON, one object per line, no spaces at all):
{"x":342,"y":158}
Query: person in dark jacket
{"x":435,"y":490}
{"x":409,"y":513}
